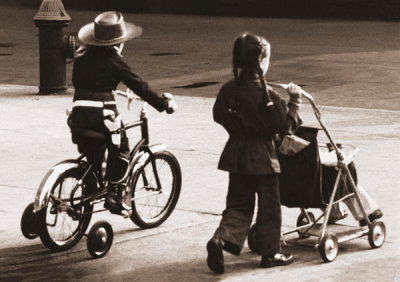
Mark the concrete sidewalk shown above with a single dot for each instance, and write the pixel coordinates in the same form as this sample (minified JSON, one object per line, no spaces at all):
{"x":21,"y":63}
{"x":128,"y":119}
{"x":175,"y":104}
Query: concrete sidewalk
{"x":34,"y":136}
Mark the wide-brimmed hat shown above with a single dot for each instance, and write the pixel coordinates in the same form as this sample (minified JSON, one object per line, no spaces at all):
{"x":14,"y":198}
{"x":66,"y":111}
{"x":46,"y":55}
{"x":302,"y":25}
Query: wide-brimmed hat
{"x":108,"y":28}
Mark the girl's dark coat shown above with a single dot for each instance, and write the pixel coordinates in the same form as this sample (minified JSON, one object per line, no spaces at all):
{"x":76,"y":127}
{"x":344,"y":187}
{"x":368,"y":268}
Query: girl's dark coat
{"x":240,"y":109}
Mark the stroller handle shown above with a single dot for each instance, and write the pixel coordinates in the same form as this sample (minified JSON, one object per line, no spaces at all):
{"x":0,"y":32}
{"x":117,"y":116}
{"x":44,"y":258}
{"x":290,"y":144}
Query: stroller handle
{"x":317,"y":115}
{"x":285,"y":86}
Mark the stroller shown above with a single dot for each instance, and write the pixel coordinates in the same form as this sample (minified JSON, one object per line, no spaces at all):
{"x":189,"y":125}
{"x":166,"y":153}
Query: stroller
{"x":307,"y":181}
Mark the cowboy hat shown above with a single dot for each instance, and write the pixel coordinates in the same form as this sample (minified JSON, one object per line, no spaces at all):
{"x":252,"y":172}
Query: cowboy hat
{"x":108,"y":28}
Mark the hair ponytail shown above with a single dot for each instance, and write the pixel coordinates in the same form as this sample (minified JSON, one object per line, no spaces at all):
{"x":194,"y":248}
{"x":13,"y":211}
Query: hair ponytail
{"x":263,"y":81}
{"x":237,"y":54}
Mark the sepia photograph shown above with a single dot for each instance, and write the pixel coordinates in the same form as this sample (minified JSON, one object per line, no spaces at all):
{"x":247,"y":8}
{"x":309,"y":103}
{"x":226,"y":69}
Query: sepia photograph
{"x":200,"y":140}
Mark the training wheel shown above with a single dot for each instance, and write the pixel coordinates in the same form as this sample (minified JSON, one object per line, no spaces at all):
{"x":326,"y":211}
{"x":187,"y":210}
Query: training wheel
{"x":376,"y":234}
{"x":303,"y":220}
{"x":28,"y":223}
{"x":99,"y":239}
{"x":329,"y":248}
{"x":251,"y":238}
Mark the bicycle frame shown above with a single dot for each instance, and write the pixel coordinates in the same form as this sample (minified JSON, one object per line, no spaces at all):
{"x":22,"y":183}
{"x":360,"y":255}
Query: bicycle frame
{"x":141,"y":152}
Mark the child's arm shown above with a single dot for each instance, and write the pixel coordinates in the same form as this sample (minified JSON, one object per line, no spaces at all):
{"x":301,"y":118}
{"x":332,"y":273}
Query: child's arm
{"x":141,"y":88}
{"x":293,"y":106}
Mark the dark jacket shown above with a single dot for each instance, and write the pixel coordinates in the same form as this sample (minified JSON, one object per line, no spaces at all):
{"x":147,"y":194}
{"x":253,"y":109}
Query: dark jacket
{"x":100,"y":70}
{"x":240,"y":109}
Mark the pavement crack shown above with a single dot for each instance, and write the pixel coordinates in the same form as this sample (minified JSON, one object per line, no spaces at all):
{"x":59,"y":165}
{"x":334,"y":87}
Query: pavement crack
{"x":198,"y":212}
{"x":14,"y":187}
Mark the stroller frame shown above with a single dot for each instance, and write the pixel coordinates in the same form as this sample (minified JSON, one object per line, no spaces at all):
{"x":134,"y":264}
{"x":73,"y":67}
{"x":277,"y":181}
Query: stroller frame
{"x":329,"y":236}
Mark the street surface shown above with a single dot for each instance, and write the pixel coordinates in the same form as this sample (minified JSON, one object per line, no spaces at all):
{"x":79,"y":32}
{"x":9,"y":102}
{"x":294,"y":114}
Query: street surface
{"x":351,"y":69}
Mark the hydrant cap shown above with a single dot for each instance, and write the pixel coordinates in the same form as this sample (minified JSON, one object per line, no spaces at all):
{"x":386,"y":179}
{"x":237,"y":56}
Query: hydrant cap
{"x":52,"y":10}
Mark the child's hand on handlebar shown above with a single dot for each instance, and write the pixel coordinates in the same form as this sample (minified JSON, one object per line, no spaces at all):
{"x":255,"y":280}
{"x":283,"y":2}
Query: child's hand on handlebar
{"x":172,"y":105}
{"x":295,"y":93}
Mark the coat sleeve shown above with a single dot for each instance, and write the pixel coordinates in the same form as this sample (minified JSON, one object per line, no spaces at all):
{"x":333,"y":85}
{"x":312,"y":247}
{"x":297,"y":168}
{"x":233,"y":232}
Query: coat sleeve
{"x":293,"y":120}
{"x":218,"y":109}
{"x":220,"y":112}
{"x":140,"y":87}
{"x":289,"y":112}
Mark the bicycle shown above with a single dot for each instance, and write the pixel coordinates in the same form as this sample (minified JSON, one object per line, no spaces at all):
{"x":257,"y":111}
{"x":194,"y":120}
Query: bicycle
{"x":66,"y":197}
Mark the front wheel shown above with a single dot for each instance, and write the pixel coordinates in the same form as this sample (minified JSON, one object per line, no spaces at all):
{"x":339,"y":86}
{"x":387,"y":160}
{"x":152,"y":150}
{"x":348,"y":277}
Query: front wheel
{"x":329,"y":248}
{"x":62,"y":223}
{"x":152,"y":204}
{"x":377,"y":234}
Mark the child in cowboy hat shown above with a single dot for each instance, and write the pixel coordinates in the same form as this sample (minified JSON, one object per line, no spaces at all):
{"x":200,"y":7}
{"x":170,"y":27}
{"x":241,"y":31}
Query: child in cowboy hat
{"x":97,"y":71}
{"x":253,"y":114}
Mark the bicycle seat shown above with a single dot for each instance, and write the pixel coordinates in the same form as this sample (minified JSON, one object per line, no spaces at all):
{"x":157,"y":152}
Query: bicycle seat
{"x":88,"y":133}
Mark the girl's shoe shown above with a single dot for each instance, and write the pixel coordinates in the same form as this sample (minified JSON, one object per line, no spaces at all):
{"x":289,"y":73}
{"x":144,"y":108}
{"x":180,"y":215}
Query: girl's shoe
{"x":276,"y":260}
{"x":215,"y":259}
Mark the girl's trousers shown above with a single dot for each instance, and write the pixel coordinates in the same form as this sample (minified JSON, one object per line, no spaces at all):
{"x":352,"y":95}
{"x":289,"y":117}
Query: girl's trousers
{"x":238,"y":215}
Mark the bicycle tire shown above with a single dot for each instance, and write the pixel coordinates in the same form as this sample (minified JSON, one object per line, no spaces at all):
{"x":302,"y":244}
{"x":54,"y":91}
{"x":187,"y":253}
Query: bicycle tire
{"x":166,"y":164}
{"x":28,"y":223}
{"x":73,"y":235}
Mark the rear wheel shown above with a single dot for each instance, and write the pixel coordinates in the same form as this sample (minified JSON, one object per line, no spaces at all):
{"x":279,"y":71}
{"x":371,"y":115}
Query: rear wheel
{"x":152,"y":205}
{"x":62,"y":223}
{"x":303,"y":220}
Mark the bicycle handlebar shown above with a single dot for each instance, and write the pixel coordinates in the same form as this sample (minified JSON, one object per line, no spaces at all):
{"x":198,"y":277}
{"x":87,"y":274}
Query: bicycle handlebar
{"x":129,"y":94}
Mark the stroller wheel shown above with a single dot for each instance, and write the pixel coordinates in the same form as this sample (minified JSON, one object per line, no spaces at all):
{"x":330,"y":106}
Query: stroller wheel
{"x":376,"y":234}
{"x":329,"y":248}
{"x":303,"y":220}
{"x":251,"y":238}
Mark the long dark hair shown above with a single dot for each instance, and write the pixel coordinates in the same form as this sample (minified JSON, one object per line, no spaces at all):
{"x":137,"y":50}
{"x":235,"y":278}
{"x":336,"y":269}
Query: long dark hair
{"x":248,"y":52}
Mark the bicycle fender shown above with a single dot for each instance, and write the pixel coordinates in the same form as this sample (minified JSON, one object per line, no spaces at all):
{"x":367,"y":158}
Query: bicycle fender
{"x":143,"y":157}
{"x":43,"y":192}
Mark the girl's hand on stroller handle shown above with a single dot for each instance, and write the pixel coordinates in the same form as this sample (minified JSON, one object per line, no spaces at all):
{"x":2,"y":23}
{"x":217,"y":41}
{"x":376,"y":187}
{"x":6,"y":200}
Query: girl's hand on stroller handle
{"x":294,"y":90}
{"x":286,"y":87}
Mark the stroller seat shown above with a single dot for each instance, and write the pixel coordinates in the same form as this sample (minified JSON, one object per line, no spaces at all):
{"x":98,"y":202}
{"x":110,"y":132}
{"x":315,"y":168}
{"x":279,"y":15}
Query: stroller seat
{"x":307,"y":178}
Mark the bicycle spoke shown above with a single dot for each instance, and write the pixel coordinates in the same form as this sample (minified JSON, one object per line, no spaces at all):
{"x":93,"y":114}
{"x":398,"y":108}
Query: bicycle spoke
{"x":154,"y":203}
{"x":156,"y":189}
{"x":63,"y":226}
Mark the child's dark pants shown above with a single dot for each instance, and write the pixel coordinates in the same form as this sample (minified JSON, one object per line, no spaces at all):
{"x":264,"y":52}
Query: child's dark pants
{"x":237,"y":217}
{"x":117,"y":159}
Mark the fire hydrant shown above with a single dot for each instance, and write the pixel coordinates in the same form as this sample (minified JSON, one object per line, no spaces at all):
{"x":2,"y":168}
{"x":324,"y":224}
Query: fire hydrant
{"x":55,"y":47}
